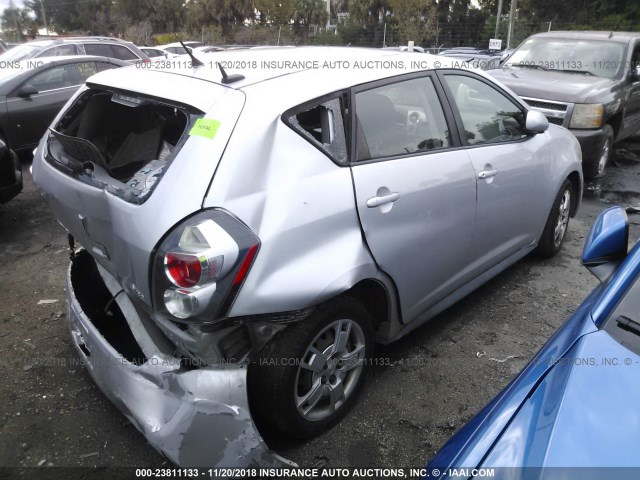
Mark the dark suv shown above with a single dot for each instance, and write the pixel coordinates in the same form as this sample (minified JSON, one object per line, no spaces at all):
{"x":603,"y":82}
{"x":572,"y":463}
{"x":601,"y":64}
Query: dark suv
{"x":98,"y":46}
{"x":588,"y":82}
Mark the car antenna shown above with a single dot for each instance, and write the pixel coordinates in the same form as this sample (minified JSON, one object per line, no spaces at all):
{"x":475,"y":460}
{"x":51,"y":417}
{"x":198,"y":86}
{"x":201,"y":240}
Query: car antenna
{"x":226,"y":79}
{"x":194,"y":61}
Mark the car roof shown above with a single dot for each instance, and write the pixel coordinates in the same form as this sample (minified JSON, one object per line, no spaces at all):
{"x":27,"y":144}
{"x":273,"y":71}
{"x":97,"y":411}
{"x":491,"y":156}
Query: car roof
{"x":590,"y":35}
{"x":327,"y":63}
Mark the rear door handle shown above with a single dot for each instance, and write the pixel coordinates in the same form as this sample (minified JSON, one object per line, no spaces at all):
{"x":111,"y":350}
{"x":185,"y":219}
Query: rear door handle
{"x":487,"y":174}
{"x":382,"y":200}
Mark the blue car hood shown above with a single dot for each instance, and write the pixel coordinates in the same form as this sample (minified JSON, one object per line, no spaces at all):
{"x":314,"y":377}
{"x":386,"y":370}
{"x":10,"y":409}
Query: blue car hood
{"x":583,"y":413}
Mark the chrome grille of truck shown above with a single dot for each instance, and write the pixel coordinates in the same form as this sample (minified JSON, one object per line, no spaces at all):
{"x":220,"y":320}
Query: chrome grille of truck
{"x":556,"y":112}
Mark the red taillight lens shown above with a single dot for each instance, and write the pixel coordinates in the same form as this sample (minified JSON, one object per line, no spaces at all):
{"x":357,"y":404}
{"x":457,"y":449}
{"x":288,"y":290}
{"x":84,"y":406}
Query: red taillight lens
{"x":182,"y":269}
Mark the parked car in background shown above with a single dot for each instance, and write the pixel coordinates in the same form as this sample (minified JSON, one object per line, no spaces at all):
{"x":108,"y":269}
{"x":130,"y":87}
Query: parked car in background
{"x":31,"y":97}
{"x":588,"y":82}
{"x":10,"y":174}
{"x":582,"y":385}
{"x":97,"y":46}
{"x":154,"y":53}
{"x":405,"y":48}
{"x":207,"y":49}
{"x":176,"y":48}
{"x":377,"y":197}
{"x":484,"y":60}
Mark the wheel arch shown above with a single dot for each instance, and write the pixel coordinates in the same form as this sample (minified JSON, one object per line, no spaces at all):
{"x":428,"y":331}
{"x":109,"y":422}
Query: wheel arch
{"x":615,"y":121}
{"x":576,"y":185}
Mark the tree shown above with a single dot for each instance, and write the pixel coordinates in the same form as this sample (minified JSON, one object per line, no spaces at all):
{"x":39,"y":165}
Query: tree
{"x":16,"y":23}
{"x":310,"y":12}
{"x":410,"y":15}
{"x":276,"y":12}
{"x":369,"y":12}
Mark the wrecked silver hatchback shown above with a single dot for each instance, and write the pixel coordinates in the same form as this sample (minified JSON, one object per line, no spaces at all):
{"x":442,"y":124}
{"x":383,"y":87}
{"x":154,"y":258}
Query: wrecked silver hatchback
{"x":245,"y":241}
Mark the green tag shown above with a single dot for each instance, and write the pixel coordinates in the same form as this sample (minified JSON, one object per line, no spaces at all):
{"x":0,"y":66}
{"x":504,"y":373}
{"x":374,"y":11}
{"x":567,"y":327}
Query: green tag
{"x":205,"y":127}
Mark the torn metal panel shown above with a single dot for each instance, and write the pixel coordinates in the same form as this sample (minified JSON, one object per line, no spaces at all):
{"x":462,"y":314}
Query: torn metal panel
{"x":196,"y":418}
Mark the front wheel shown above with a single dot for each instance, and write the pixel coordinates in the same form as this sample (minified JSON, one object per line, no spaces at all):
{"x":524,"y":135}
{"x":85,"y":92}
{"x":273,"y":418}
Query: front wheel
{"x":557,"y":223}
{"x":308,"y":376}
{"x":597,"y":167}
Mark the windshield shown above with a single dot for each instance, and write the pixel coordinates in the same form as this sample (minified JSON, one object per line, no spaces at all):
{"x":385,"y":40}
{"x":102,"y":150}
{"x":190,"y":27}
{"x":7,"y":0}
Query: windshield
{"x":589,"y":57}
{"x":21,"y":52}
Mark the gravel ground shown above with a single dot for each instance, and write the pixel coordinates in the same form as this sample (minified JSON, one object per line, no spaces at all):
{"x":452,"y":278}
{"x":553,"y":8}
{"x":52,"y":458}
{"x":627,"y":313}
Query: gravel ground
{"x":422,"y":390}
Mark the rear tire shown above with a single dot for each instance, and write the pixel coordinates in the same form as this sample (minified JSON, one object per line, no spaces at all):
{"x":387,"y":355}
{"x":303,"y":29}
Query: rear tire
{"x":307,"y":378}
{"x":597,"y":167}
{"x":557,"y":224}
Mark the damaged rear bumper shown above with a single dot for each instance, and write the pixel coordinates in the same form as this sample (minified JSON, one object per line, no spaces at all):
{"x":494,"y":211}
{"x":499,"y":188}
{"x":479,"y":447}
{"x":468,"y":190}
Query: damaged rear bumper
{"x":196,"y":418}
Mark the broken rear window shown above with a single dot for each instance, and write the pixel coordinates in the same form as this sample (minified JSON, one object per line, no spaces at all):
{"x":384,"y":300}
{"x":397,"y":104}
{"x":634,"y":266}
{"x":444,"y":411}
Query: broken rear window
{"x":122,"y":142}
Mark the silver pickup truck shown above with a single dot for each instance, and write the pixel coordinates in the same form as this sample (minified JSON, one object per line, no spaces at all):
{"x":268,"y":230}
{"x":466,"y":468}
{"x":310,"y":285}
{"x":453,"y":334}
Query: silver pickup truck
{"x":588,"y":82}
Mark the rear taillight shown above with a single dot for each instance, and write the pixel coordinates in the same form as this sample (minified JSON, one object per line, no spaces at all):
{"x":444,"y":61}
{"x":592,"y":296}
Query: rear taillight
{"x":200,"y":266}
{"x":182,"y":269}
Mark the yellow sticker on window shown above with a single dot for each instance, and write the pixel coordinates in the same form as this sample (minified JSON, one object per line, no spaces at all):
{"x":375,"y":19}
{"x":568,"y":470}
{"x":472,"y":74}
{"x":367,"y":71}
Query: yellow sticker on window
{"x":205,"y":127}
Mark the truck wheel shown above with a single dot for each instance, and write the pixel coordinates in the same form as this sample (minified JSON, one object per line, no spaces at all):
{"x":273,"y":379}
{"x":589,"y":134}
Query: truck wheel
{"x":309,"y":375}
{"x":596,"y":168}
{"x":557,"y":223}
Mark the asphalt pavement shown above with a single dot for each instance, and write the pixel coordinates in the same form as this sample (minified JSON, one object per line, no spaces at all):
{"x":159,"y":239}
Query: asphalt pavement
{"x":419,"y":391}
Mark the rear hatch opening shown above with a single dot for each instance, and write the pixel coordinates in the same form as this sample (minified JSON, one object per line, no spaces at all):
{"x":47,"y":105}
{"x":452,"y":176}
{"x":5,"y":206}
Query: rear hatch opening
{"x":123,"y":142}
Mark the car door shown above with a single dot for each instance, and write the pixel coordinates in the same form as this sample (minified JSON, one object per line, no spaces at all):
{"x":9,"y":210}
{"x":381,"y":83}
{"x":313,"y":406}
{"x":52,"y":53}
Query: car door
{"x":631,"y":118}
{"x":29,"y":116}
{"x":415,"y":192}
{"x":511,"y":167}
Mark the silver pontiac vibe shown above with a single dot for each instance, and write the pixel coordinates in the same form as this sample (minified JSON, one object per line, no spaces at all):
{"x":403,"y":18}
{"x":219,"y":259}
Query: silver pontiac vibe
{"x":242,"y":238}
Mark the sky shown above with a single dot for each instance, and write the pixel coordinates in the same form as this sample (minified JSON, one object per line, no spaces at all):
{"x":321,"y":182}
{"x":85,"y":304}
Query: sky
{"x":5,"y":4}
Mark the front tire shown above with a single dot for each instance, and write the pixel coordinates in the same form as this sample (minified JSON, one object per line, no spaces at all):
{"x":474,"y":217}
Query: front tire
{"x":307,"y":378}
{"x":557,"y":224}
{"x":596,"y":169}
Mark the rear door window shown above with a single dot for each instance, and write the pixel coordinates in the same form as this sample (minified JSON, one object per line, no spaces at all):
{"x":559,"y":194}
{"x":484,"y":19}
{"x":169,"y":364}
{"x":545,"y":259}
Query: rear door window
{"x":99,"y":49}
{"x":399,"y":119}
{"x":123,"y":53}
{"x":59,"y":51}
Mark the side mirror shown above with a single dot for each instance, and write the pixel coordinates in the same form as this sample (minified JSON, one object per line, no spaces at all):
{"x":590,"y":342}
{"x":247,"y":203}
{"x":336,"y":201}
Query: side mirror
{"x":635,"y":72}
{"x":606,"y":245}
{"x":26,"y":91}
{"x":536,"y":122}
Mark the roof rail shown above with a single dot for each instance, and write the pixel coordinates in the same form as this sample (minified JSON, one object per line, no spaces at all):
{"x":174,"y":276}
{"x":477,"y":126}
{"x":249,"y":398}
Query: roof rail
{"x":96,"y":38}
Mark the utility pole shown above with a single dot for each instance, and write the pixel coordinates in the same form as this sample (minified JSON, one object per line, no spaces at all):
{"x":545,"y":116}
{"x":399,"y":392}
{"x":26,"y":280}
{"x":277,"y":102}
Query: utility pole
{"x":512,"y":14}
{"x":498,"y":18}
{"x":44,"y":17}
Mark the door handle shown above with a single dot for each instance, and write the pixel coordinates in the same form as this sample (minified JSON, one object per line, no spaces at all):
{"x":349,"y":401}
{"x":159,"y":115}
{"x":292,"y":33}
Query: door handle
{"x":382,"y":200}
{"x":487,"y":174}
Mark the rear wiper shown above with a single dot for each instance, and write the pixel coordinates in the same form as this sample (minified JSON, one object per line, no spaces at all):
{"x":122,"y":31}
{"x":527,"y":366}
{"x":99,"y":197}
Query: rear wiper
{"x":629,"y":325}
{"x":529,"y":65}
{"x":582,"y":72}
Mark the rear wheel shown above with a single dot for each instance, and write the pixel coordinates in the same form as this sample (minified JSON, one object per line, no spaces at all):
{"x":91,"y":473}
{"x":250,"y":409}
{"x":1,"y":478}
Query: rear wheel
{"x":308,"y":377}
{"x":557,"y":223}
{"x":597,"y":167}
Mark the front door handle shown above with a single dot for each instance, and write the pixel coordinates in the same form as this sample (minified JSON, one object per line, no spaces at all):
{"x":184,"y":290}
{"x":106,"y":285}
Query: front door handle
{"x":487,"y":174}
{"x":382,"y":200}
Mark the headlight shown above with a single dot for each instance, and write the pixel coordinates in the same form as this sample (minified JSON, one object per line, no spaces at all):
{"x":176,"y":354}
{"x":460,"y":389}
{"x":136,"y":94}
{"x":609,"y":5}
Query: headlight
{"x":587,"y":115}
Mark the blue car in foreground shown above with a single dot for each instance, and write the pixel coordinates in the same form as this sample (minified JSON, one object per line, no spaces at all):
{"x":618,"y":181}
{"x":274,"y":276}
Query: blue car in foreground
{"x":574,"y":410}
